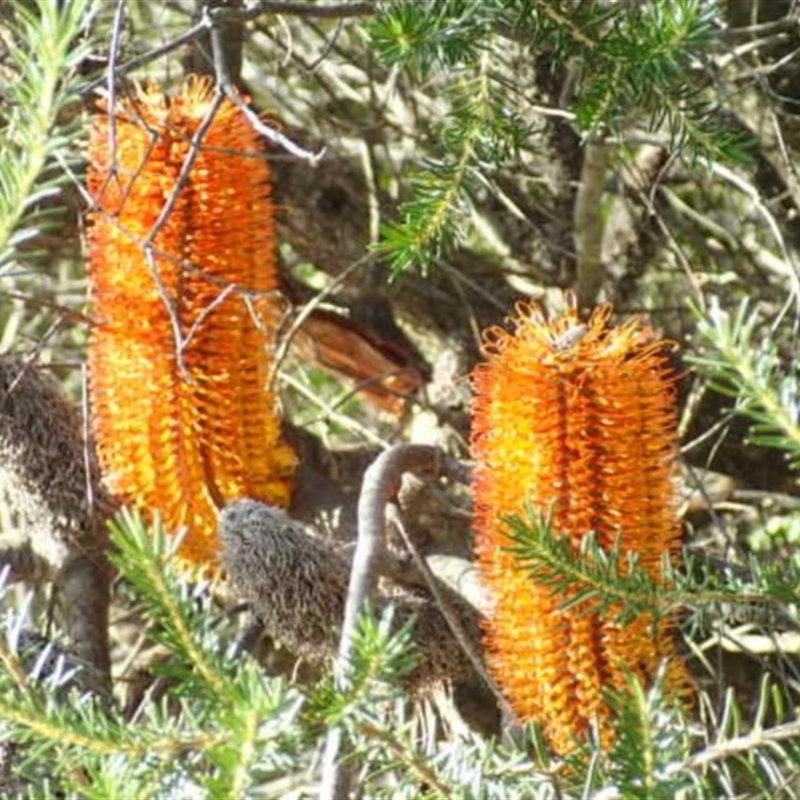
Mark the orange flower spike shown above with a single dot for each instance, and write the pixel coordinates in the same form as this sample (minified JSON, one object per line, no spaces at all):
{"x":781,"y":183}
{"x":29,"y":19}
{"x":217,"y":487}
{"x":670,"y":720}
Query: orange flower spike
{"x":577,"y":418}
{"x":179,"y":357}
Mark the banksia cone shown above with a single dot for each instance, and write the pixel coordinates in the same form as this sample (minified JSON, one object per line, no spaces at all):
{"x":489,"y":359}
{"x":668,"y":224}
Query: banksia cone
{"x":578,"y":421}
{"x":186,"y":312}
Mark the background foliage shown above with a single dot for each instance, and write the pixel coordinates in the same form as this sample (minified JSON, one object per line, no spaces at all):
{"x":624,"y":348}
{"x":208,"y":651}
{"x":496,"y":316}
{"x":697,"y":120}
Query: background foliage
{"x":476,"y":152}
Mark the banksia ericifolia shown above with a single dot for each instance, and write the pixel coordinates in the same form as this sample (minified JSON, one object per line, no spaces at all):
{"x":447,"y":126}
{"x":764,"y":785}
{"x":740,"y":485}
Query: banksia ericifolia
{"x":577,"y":421}
{"x":184,"y":295}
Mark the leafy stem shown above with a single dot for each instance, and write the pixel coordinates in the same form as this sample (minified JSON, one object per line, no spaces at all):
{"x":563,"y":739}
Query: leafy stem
{"x":43,"y":83}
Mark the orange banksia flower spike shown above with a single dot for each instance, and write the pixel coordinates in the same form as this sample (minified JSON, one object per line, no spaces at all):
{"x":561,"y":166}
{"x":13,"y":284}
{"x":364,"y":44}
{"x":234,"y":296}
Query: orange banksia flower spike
{"x":574,"y":419}
{"x":183,"y":284}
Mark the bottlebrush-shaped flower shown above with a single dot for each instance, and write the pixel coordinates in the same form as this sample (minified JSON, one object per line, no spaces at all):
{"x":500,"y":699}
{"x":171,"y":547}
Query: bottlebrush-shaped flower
{"x":186,"y":308}
{"x":578,"y":421}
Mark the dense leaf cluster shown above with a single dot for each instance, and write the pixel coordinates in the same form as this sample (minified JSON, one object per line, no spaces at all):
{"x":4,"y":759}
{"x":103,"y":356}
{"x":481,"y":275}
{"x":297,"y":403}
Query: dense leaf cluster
{"x":631,"y":66}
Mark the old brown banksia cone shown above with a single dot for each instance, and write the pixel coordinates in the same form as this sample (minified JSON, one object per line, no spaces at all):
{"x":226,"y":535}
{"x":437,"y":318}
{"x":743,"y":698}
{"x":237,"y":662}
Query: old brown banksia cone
{"x":184,"y":297}
{"x":576,"y":420}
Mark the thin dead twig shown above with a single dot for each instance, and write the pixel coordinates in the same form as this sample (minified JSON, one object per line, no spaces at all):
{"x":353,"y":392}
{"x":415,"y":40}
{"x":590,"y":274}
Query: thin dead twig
{"x":309,"y":308}
{"x":226,"y":85}
{"x":589,"y":223}
{"x":760,"y":737}
{"x":255,"y":8}
{"x":217,"y":17}
{"x":381,"y":483}
{"x":145,"y":58}
{"x":452,"y":620}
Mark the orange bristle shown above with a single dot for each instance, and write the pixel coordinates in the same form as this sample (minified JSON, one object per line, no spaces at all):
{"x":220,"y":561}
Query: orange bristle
{"x":578,"y":420}
{"x":186,"y":313}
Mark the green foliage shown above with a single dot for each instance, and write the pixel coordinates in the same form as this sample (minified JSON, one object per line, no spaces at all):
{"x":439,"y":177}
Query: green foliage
{"x":223,"y":728}
{"x":613,"y":583}
{"x":746,"y":366}
{"x":651,"y":742}
{"x":631,"y":64}
{"x":778,"y":532}
{"x":645,"y":65}
{"x":380,"y":660}
{"x":39,"y":134}
{"x":592,"y":580}
{"x":655,"y":752}
{"x":479,"y":133}
{"x":443,"y":33}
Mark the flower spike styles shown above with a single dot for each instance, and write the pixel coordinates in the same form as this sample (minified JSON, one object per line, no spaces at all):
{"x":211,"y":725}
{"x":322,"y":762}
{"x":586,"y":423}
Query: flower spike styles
{"x":575,"y":420}
{"x":184,"y":296}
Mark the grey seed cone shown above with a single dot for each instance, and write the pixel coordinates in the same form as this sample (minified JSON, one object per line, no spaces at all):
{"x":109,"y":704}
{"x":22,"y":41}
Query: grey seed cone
{"x":53,"y":509}
{"x":49,"y":482}
{"x":297,"y":587}
{"x":295,"y":584}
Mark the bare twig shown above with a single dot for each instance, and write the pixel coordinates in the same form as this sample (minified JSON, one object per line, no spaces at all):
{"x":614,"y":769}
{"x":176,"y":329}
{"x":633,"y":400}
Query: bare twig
{"x":220,"y":15}
{"x":467,"y":644}
{"x":381,"y":483}
{"x":151,"y":55}
{"x":145,"y":244}
{"x":463,"y":577}
{"x":273,"y":134}
{"x":588,"y":222}
{"x":792,"y":270}
{"x":163,"y":216}
{"x":308,"y":310}
{"x":760,"y":737}
{"x":225,"y":42}
{"x":329,"y":412}
{"x":255,"y":8}
{"x":113,"y":55}
{"x":205,"y":313}
{"x":227,"y":86}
